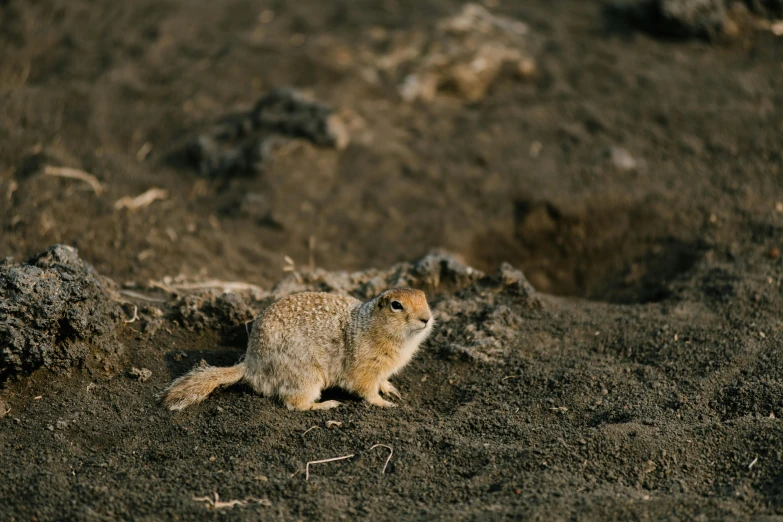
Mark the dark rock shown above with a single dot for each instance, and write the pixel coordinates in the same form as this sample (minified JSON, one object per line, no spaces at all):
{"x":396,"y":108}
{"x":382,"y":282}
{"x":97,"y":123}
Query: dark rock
{"x":515,"y":281}
{"x":285,"y":111}
{"x":241,"y":143}
{"x":771,"y":9}
{"x":54,"y":310}
{"x":673,"y":18}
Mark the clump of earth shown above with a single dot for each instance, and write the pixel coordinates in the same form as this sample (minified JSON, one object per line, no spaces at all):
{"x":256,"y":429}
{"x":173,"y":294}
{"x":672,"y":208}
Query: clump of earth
{"x":55,"y":311}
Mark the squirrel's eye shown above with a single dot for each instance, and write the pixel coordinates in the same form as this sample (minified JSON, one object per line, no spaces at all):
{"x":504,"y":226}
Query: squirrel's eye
{"x":396,"y":305}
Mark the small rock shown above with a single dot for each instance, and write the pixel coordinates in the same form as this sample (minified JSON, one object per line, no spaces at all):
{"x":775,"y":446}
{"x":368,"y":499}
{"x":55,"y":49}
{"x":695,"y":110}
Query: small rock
{"x":773,"y":253}
{"x":510,"y":277}
{"x":466,"y":53}
{"x":61,"y":424}
{"x":621,"y":158}
{"x":141,"y":374}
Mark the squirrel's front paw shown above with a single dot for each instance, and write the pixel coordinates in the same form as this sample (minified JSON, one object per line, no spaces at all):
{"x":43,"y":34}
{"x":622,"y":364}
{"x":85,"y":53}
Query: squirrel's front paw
{"x":388,"y":388}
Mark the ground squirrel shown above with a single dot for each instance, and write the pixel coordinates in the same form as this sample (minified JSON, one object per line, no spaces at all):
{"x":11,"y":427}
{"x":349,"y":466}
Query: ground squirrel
{"x":306,"y":342}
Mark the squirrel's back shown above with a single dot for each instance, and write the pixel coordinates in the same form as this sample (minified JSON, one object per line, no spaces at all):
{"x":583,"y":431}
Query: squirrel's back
{"x":305,"y":330}
{"x":317,"y":316}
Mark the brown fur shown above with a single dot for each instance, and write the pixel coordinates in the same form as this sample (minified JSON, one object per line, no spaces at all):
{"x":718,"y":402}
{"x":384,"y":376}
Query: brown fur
{"x":306,"y":342}
{"x":196,"y":385}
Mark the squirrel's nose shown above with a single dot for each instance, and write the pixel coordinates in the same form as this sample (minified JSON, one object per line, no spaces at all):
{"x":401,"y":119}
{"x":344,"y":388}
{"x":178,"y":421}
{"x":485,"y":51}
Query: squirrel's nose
{"x":424,"y":320}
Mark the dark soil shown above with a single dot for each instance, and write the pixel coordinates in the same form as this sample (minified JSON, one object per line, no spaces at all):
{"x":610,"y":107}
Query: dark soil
{"x":634,"y":178}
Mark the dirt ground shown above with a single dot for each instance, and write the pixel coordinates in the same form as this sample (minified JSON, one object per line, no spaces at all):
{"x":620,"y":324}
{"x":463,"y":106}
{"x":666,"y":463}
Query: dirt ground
{"x":633,"y":175}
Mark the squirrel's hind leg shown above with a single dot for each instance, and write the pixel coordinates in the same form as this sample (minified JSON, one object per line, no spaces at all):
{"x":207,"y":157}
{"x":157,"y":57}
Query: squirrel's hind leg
{"x":324,"y":405}
{"x":303,"y":400}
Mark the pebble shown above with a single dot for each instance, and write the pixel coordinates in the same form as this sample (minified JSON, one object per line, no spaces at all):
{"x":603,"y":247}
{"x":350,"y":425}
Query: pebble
{"x":621,"y":158}
{"x":142,"y":375}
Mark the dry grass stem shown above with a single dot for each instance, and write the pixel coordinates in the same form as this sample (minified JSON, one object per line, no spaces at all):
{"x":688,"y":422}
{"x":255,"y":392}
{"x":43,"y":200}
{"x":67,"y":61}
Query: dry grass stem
{"x":290,"y":266}
{"x":11,"y":189}
{"x":136,"y":295}
{"x":311,"y":253}
{"x":214,"y":284}
{"x":216,"y":503}
{"x":388,"y":459}
{"x":67,"y":172}
{"x":142,"y":200}
{"x":144,"y":151}
{"x":307,"y":466}
{"x":309,"y":429}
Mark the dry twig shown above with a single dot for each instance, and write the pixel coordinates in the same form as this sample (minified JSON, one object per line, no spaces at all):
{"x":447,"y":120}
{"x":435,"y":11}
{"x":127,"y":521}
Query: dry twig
{"x":142,"y":200}
{"x":144,"y":151}
{"x":11,"y":189}
{"x":214,"y":284}
{"x":216,"y":503}
{"x":67,"y":172}
{"x":307,"y":466}
{"x":388,"y":459}
{"x":143,"y":297}
{"x":311,"y":253}
{"x":309,"y":429}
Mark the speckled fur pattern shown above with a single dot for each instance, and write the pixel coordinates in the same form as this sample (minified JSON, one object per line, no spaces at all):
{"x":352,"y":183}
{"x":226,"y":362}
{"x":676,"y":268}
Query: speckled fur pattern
{"x":306,"y":342}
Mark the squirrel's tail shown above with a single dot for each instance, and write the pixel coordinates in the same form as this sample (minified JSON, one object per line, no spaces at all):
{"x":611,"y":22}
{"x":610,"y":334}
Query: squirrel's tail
{"x":196,"y":385}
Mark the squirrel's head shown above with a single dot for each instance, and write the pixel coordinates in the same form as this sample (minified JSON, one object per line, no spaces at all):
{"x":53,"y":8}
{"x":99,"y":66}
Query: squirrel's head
{"x":405,"y":313}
